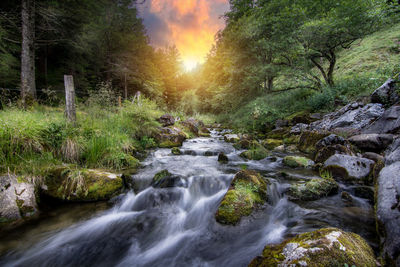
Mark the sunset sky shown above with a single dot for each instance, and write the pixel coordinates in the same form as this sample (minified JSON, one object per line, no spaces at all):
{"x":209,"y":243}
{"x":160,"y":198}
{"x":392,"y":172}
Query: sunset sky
{"x":189,"y":24}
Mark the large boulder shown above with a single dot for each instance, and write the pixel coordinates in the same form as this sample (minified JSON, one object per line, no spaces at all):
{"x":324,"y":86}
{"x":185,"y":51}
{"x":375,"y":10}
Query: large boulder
{"x":326,"y":152}
{"x":309,"y":139}
{"x":196,"y":126}
{"x":169,"y":137}
{"x":388,"y":213}
{"x":330,"y":140}
{"x":166,"y":120}
{"x":313,"y":189}
{"x":299,"y":128}
{"x":68,"y":183}
{"x":388,"y":122}
{"x":248,"y":191}
{"x":350,"y":119}
{"x":386,"y":94}
{"x":323,"y":247}
{"x":271,"y":144}
{"x":349,"y":168}
{"x":372,"y":142}
{"x":17,"y":198}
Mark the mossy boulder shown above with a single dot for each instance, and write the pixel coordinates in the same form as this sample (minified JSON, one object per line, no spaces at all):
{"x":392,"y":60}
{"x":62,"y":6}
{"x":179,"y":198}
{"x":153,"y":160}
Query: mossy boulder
{"x":68,"y":183}
{"x":299,"y":117}
{"x":176,"y":151}
{"x":248,"y":191}
{"x":165,"y":179}
{"x":324,"y":247}
{"x":328,"y":151}
{"x":196,"y":127}
{"x":18,"y":198}
{"x":308,"y":140}
{"x":350,"y":168}
{"x":313,"y":189}
{"x":169,"y":137}
{"x":256,"y":152}
{"x":271,"y":144}
{"x":279,"y":133}
{"x":297,"y":162}
{"x":243,"y":144}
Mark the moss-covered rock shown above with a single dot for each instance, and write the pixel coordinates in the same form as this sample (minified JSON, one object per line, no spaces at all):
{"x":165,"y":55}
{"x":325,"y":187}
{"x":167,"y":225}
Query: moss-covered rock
{"x":169,"y":137}
{"x":176,"y":151}
{"x":279,"y":133}
{"x":248,"y":190}
{"x":299,"y":117}
{"x":165,"y":179}
{"x":271,"y":144}
{"x":256,"y":152}
{"x":68,"y":183}
{"x":313,"y":189}
{"x":243,"y":144}
{"x":326,"y":152}
{"x":297,"y":162}
{"x":308,"y":140}
{"x":324,"y":247}
{"x":231,"y":138}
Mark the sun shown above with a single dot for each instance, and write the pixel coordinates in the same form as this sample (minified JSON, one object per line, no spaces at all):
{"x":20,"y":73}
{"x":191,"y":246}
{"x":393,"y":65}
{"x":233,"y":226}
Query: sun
{"x":190,"y":64}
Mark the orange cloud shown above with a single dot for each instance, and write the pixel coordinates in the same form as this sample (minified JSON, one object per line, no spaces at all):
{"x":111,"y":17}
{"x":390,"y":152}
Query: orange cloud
{"x":189,"y":24}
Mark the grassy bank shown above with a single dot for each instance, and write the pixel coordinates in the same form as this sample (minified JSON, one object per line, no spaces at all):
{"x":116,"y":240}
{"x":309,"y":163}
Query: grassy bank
{"x":108,"y":138}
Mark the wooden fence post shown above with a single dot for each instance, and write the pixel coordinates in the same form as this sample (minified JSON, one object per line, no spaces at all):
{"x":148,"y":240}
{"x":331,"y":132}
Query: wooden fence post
{"x":69,"y":98}
{"x":120,"y":101}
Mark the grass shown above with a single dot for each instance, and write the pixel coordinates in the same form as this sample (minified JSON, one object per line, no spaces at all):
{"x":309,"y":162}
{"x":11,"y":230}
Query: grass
{"x":107,"y":138}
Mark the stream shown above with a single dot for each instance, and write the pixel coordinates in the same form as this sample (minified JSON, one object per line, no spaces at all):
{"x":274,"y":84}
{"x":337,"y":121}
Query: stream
{"x":176,"y":226}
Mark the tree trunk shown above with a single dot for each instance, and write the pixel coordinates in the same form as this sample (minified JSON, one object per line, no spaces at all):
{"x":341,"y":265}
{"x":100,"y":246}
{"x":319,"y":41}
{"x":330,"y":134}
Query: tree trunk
{"x":28,"y":86}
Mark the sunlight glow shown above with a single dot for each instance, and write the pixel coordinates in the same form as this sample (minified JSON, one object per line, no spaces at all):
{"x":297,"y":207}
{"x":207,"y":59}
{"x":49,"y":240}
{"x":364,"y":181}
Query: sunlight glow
{"x":190,"y":64}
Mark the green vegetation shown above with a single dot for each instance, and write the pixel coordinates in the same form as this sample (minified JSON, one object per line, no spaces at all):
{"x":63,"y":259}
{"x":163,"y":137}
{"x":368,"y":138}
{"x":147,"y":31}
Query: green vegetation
{"x":297,"y":162}
{"x":102,"y":137}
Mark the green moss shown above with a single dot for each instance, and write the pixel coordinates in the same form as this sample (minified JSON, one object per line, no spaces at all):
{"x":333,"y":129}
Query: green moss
{"x":290,"y":140}
{"x":297,"y":162}
{"x":22,"y":179}
{"x":349,"y":249}
{"x":280,"y":133}
{"x":160,"y":175}
{"x":176,"y":151}
{"x":272,"y":143}
{"x":256,"y":152}
{"x":248,"y":190}
{"x":169,"y":144}
{"x":299,"y":117}
{"x":308,"y":140}
{"x":313,"y":189}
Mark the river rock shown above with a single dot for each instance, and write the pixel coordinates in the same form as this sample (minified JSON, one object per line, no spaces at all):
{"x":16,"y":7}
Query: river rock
{"x":223,"y":158}
{"x":196,"y":126}
{"x":349,"y":168}
{"x":393,"y":153}
{"x":297,"y":162}
{"x":388,"y":213}
{"x":309,"y":139}
{"x":372,"y":142}
{"x":247,"y":191}
{"x":68,"y":183}
{"x":326,"y":152}
{"x":386,"y":94}
{"x":166,"y":120}
{"x":388,"y":123}
{"x":169,"y":137}
{"x":165,"y":179}
{"x":351,"y":119}
{"x":231,"y":138}
{"x":17,"y":198}
{"x":330,"y":140}
{"x":323,"y":247}
{"x":176,"y":151}
{"x":256,"y":152}
{"x":373,"y":156}
{"x":299,"y":128}
{"x":313,"y":189}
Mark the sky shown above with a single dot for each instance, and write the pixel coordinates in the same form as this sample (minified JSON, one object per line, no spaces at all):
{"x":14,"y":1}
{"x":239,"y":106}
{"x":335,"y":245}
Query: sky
{"x":189,"y":24}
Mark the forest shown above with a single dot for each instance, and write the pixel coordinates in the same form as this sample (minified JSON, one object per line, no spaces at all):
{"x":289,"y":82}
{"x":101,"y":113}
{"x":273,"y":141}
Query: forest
{"x":279,"y":148}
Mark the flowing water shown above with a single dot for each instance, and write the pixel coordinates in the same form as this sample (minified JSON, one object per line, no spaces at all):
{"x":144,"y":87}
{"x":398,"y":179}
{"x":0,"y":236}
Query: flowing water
{"x":176,"y":226}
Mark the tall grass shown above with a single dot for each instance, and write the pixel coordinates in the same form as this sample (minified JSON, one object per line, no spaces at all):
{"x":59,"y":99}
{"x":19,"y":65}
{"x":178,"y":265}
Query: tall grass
{"x":103,"y":137}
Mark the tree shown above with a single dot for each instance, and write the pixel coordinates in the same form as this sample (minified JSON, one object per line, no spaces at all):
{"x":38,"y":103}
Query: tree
{"x":333,"y":28}
{"x":28,"y":83}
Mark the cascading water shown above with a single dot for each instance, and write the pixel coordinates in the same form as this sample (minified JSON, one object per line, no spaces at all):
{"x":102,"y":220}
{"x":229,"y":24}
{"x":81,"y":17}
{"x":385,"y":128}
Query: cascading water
{"x":176,"y":226}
